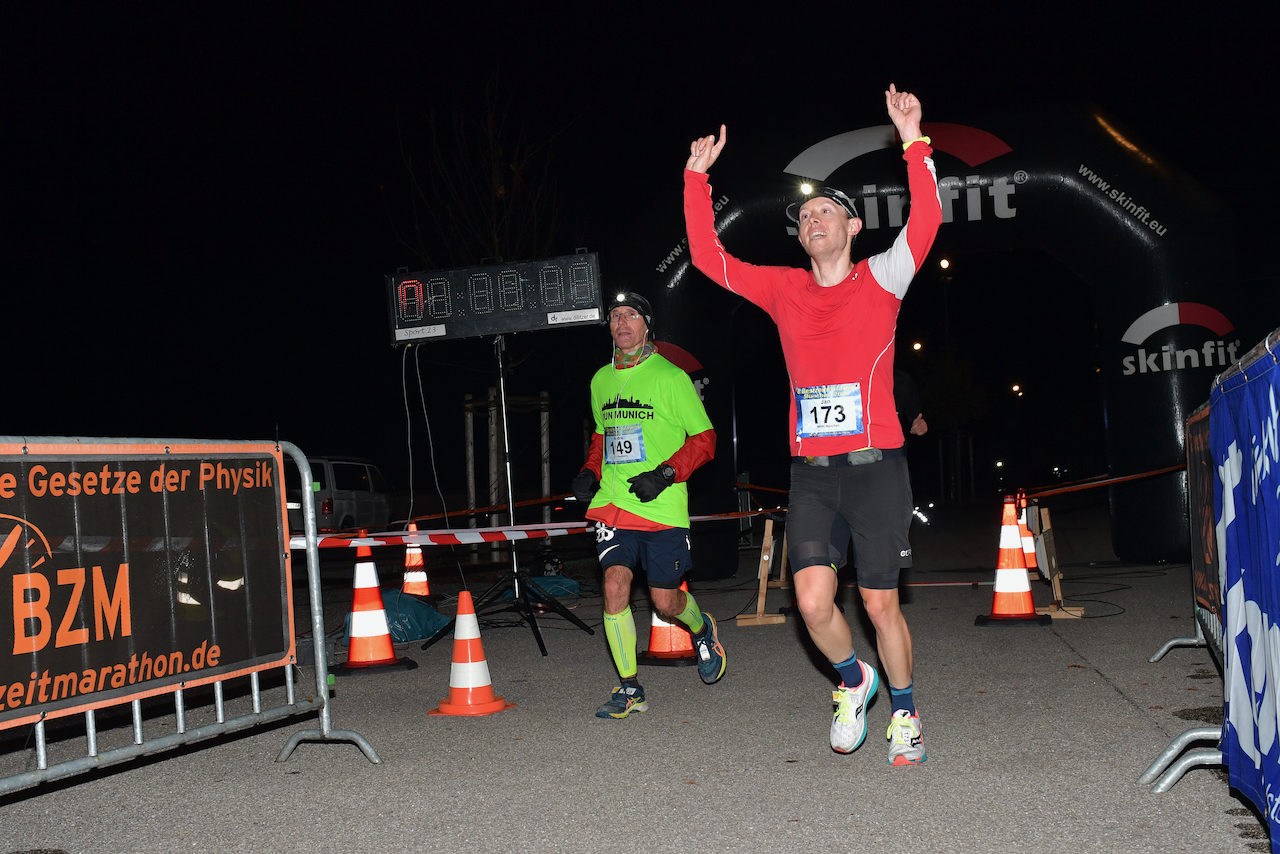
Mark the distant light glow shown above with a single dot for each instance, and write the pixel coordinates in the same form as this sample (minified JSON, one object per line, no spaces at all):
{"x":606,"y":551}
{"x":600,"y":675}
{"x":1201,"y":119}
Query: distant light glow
{"x":1123,"y":140}
{"x":923,"y":518}
{"x":944,"y":263}
{"x":916,"y":346}
{"x":1017,"y":387}
{"x":999,"y":464}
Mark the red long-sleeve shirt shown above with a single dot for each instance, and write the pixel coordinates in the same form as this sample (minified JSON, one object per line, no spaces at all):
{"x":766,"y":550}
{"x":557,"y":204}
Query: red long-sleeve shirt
{"x":838,"y":341}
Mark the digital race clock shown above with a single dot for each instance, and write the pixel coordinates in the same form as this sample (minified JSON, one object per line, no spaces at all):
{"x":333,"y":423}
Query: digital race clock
{"x":495,"y":299}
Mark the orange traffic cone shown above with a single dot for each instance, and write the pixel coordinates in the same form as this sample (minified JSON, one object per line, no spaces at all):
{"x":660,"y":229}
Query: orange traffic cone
{"x":415,"y":574}
{"x":370,"y":643}
{"x":1028,"y":541}
{"x":470,"y":688}
{"x":669,"y":645}
{"x":1012,"y":603}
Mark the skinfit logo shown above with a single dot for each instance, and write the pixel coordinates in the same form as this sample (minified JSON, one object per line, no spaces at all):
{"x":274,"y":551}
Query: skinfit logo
{"x":992,"y":194}
{"x":1215,"y":352}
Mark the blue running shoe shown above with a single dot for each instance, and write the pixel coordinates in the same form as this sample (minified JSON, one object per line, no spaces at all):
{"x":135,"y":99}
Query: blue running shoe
{"x":711,"y":657}
{"x":624,"y":701}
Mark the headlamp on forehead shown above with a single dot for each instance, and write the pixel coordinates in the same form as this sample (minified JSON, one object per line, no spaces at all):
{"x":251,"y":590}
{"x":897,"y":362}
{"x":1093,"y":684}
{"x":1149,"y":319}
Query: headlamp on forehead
{"x":811,"y":193}
{"x":639,"y":303}
{"x":841,"y":199}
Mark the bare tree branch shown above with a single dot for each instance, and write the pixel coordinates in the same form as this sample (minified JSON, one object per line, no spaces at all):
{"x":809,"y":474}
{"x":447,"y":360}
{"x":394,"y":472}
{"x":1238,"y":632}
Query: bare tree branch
{"x":487,"y":188}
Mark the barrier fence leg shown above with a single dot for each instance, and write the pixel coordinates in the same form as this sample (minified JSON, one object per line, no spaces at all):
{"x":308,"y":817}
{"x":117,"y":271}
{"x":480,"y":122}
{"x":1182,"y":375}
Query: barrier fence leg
{"x":1194,"y":759}
{"x":1198,"y":640}
{"x":325,"y":733}
{"x":1175,"y":748}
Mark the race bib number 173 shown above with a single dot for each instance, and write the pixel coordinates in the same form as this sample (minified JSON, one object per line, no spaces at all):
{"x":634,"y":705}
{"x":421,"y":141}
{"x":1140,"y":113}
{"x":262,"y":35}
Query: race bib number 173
{"x":829,"y":410}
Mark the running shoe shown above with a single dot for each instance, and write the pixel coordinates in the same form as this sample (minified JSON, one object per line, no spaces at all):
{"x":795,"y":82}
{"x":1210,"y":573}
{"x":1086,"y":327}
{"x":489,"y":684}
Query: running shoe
{"x":906,"y":742}
{"x":849,"y":724}
{"x":711,"y":657}
{"x":624,"y":701}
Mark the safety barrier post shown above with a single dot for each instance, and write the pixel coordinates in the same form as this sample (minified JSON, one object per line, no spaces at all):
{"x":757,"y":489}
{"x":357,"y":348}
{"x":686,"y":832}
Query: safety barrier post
{"x":326,"y":731}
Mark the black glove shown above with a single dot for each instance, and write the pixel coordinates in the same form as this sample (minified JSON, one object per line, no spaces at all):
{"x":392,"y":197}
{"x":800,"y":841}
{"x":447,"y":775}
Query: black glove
{"x":584,"y":486}
{"x":649,"y":485}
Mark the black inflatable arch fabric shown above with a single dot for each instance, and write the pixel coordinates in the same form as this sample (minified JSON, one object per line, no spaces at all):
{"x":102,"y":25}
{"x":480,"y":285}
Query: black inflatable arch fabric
{"x":1157,"y":250}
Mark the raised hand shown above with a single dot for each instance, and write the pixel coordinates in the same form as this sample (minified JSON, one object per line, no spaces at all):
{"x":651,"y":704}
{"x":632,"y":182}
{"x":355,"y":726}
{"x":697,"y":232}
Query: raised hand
{"x":704,"y":151}
{"x":904,"y":110}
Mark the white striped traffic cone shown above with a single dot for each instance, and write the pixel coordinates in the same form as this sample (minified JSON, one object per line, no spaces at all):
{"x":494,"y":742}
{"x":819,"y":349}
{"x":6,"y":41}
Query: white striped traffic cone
{"x":370,"y":643}
{"x":1028,"y":541}
{"x":415,"y":574}
{"x":470,"y":688}
{"x":1012,"y":604}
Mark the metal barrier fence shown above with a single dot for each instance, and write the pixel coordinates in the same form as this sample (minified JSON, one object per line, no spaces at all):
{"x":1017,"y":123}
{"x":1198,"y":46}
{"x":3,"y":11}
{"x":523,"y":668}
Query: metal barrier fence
{"x":1250,"y":381}
{"x":1170,"y":766}
{"x":168,"y":489}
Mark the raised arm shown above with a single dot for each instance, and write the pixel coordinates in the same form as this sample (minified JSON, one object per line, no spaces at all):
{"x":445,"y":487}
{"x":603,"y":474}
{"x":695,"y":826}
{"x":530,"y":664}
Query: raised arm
{"x":894,"y":268}
{"x":704,"y":151}
{"x":904,"y":110}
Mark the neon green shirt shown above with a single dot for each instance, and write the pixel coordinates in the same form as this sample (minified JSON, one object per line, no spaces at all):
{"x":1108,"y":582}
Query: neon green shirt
{"x":644,"y":414}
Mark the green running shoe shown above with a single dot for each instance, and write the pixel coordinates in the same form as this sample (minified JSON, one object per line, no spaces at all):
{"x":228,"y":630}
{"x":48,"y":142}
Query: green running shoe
{"x":623,"y":702}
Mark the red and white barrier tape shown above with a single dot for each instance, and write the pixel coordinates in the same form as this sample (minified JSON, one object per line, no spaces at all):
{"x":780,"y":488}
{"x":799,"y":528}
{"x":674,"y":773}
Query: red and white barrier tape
{"x":455,"y":537}
{"x":469,"y":536}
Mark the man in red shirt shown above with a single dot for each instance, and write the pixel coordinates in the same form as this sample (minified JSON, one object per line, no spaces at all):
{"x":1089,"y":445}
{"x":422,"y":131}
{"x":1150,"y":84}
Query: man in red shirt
{"x":836,"y":322}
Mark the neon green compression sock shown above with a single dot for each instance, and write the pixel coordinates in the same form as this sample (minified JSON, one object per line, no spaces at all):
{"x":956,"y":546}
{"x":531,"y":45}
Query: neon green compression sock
{"x":691,"y":616}
{"x":620,"y":629}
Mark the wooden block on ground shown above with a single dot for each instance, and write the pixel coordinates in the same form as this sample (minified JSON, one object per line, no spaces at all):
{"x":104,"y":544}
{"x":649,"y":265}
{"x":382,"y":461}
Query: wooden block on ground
{"x":1061,"y":612}
{"x":761,"y":619}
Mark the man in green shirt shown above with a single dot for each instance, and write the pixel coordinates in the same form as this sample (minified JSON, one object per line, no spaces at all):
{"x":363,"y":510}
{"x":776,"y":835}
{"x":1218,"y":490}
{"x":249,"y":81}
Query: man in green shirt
{"x":651,"y":434}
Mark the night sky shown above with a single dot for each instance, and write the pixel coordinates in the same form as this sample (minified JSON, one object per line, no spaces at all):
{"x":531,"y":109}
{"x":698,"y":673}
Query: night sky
{"x":201,"y":200}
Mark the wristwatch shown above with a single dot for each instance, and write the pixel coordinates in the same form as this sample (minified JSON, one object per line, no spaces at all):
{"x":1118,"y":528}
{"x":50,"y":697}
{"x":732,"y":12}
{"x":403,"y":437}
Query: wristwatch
{"x":668,"y":471}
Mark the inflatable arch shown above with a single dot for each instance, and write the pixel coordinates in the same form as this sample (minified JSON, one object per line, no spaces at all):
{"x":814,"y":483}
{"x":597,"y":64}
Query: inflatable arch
{"x":1156,"y":249}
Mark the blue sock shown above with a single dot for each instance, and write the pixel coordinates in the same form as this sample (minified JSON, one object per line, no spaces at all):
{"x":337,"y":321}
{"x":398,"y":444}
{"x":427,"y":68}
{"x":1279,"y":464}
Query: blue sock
{"x":850,"y":671}
{"x":902,"y":699}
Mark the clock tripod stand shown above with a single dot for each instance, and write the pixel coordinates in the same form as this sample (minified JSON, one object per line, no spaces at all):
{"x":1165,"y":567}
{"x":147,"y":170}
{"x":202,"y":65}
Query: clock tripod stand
{"x":526,"y":597}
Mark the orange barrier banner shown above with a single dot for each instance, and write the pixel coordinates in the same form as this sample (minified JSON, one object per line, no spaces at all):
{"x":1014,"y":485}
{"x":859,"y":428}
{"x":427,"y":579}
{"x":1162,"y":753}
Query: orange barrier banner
{"x":134,"y":570}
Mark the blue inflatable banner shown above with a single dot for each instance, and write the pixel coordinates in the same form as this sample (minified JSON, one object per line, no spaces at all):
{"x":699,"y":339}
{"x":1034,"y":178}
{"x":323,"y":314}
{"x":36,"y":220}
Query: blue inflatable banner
{"x":1243,"y":435}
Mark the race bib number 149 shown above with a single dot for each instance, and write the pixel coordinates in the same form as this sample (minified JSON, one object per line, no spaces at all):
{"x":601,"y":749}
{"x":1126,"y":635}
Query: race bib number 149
{"x":624,"y":445}
{"x":829,"y":410}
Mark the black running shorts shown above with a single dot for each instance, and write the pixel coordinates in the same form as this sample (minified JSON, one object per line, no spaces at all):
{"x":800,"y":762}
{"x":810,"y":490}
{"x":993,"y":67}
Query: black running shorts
{"x":874,"y":500}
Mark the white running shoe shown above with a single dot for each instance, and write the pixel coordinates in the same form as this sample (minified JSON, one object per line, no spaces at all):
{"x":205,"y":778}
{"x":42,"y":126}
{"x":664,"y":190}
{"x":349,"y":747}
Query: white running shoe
{"x":906,"y":741}
{"x":849,"y":724}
